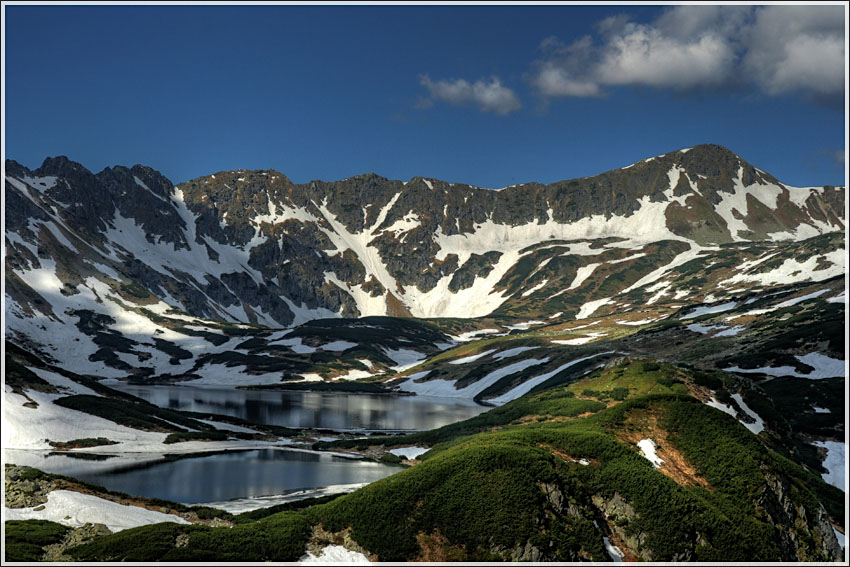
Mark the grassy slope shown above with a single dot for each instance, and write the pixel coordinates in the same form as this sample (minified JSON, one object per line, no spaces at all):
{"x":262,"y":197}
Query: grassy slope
{"x":478,"y":494}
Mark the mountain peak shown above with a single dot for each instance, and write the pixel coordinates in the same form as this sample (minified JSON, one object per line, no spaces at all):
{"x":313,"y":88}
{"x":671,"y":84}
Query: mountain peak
{"x":61,"y":165}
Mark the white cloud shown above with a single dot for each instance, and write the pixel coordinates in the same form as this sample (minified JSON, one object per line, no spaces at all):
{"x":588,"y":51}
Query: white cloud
{"x":776,"y":49}
{"x":554,"y":80}
{"x":489,"y":97}
{"x":792,"y":48}
{"x":643,"y":55}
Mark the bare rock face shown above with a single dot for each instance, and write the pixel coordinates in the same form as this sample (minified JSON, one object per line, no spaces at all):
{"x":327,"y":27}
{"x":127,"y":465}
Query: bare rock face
{"x":776,"y":500}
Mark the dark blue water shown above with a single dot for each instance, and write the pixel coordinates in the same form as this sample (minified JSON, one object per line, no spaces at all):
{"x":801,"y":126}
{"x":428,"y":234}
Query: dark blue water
{"x":224,"y":476}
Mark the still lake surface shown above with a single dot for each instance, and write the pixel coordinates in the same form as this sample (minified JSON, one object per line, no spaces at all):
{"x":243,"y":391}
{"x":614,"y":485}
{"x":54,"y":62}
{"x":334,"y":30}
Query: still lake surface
{"x":258,"y":472}
{"x":222,"y":476}
{"x":321,"y":410}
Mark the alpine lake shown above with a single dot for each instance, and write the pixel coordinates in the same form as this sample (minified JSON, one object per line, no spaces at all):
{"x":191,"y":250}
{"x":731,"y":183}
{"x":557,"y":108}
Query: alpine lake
{"x":275,"y":474}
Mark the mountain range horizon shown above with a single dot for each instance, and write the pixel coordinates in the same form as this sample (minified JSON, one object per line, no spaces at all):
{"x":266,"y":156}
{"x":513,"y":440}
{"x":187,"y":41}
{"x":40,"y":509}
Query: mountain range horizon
{"x":67,"y":158}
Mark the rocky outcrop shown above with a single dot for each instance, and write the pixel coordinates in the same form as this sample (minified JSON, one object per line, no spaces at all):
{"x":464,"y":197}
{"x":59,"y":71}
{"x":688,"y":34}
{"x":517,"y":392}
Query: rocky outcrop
{"x":617,"y":514}
{"x":74,"y":537}
{"x":793,"y":520}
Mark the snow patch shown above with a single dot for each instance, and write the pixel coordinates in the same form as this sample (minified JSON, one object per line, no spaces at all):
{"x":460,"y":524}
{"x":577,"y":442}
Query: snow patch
{"x":578,"y":340}
{"x":404,"y":358}
{"x":706,"y":309}
{"x":834,"y":463}
{"x":334,"y":554}
{"x":647,"y":448}
{"x":525,"y":325}
{"x":448,"y":388}
{"x":640,"y":322}
{"x":824,"y":367}
{"x":338,"y":346}
{"x":472,"y":358}
{"x":793,"y":271}
{"x":295,"y":344}
{"x":614,"y":552}
{"x":591,"y":306}
{"x":756,"y":427}
{"x":470,"y":335}
{"x":511,"y":352}
{"x":528,"y":385}
{"x":74,"y":509}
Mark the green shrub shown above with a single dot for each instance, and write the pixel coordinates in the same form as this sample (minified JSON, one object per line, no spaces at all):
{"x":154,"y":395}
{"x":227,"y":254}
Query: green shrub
{"x":195,"y":436}
{"x":25,"y":539}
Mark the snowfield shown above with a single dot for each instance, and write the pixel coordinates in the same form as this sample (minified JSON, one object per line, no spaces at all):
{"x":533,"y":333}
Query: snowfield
{"x":75,"y":509}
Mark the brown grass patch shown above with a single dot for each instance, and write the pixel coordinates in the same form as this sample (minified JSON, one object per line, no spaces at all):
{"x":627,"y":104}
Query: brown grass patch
{"x":526,"y":419}
{"x":563,"y":455}
{"x":643,"y":424}
{"x":436,"y":548}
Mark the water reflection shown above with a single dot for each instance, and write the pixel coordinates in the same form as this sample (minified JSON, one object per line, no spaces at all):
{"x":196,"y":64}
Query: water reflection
{"x":226,"y":476}
{"x":324,"y":410}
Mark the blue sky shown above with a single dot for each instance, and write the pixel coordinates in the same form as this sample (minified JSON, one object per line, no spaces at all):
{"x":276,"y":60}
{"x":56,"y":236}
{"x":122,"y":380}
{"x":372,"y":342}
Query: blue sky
{"x":486,"y":95}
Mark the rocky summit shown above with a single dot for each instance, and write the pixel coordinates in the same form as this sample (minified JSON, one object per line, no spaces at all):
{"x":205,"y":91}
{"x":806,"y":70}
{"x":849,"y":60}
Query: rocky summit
{"x":253,"y":247}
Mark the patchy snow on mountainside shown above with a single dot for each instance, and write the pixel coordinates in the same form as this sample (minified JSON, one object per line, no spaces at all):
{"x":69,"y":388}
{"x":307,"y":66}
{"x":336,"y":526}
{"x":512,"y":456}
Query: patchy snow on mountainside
{"x":530,"y":384}
{"x":472,"y":335}
{"x":30,"y":428}
{"x":824,"y":367}
{"x":296,"y":345}
{"x":448,"y":388}
{"x":793,"y":271}
{"x":835,"y":462}
{"x":354,"y":374}
{"x":338,"y":346}
{"x":472,"y":358}
{"x":525,"y":325}
{"x":840,"y":298}
{"x":706,"y":309}
{"x":614,"y":552}
{"x":75,"y":509}
{"x":715,"y":330}
{"x":578,"y":340}
{"x":647,"y":449}
{"x":404,"y":358}
{"x":333,"y":554}
{"x":591,"y":306}
{"x":238,"y":375}
{"x":511,"y":352}
{"x":756,"y":427}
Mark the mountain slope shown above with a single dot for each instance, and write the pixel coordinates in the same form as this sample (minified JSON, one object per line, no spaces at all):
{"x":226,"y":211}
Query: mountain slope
{"x":96,"y":264}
